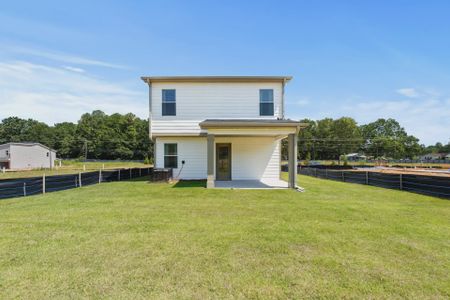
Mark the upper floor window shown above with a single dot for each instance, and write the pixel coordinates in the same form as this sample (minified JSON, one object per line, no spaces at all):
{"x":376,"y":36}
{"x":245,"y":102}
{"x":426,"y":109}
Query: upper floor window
{"x":266,"y":102}
{"x":169,"y":107}
{"x":170,"y":156}
{"x":7,"y":153}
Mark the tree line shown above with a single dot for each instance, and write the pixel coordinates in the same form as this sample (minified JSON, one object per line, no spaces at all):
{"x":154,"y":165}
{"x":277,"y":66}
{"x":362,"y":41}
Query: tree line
{"x":328,"y":139}
{"x":96,"y":135}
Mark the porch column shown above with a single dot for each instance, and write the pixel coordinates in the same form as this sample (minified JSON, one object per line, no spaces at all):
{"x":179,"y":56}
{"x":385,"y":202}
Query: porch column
{"x":210,"y":159}
{"x":292,"y":165}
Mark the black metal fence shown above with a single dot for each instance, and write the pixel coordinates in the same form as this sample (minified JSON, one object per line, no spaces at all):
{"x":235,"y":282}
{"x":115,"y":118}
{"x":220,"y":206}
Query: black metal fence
{"x":20,"y":187}
{"x":428,"y":185}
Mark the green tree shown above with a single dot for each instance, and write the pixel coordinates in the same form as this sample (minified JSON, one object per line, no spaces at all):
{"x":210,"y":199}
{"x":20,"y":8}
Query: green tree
{"x":386,"y":138}
{"x":66,"y":141}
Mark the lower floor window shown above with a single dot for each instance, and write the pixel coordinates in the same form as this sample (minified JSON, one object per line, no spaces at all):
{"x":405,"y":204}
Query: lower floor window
{"x":170,"y":156}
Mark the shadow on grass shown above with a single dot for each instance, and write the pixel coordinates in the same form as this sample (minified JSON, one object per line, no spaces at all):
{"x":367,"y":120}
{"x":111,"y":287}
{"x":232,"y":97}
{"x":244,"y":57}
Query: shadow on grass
{"x":143,"y":178}
{"x":190,"y":184}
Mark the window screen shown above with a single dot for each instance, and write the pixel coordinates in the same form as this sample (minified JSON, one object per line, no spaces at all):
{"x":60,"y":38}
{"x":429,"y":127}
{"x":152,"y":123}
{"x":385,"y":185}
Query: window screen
{"x":266,"y":102}
{"x":169,"y":107}
{"x":170,"y":156}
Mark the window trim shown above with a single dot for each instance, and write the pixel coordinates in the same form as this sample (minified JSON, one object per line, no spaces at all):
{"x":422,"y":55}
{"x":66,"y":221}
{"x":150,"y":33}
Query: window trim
{"x":171,"y":155}
{"x":163,"y":101}
{"x":261,"y":102}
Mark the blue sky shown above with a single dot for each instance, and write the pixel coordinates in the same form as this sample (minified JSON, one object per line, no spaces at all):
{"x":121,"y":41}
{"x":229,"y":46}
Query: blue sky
{"x":363,"y":59}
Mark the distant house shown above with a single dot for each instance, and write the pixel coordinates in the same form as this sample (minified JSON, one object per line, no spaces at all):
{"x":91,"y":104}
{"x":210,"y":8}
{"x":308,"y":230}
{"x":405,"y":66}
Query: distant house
{"x":434,"y":156}
{"x":16,"y":156}
{"x":355,"y":157}
{"x":447,"y":157}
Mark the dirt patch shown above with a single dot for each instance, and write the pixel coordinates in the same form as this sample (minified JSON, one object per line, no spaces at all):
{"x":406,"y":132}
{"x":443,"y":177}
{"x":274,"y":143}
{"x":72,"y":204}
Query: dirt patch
{"x":417,"y":171}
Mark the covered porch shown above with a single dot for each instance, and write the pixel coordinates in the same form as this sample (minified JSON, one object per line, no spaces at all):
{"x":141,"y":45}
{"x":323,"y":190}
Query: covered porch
{"x":247,"y":153}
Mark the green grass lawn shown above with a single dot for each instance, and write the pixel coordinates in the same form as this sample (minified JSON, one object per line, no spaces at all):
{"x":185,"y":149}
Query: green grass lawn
{"x":72,"y":166}
{"x":142,"y":240}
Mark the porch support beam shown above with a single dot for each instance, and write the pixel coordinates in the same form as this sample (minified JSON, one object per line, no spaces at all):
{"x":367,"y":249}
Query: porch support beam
{"x":292,"y":155}
{"x":210,"y":158}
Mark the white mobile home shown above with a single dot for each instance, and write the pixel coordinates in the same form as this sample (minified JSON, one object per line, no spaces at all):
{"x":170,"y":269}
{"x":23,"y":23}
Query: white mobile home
{"x":221,"y":128}
{"x":16,"y":156}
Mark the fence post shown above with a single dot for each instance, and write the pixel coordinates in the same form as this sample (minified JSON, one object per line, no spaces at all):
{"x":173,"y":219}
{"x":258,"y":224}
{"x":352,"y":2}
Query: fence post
{"x":367,"y":177}
{"x":326,"y":173}
{"x":79,"y":179}
{"x":130,"y":173}
{"x":140,"y":172}
{"x":43,"y":183}
{"x":315,"y":172}
{"x":401,"y":181}
{"x":100,"y":176}
{"x":118,"y":176}
{"x":24,"y":188}
{"x":343,"y":176}
{"x":76,"y":181}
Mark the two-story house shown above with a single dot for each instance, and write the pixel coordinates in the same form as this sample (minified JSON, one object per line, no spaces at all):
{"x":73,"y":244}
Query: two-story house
{"x":226,"y":129}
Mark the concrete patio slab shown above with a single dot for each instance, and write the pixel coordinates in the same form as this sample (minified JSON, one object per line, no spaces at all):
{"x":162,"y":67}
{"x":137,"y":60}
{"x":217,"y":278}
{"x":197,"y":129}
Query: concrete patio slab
{"x":251,"y":184}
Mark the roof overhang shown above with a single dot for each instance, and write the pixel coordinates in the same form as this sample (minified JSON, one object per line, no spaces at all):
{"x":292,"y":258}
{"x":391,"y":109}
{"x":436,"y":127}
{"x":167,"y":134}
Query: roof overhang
{"x":257,"y":127}
{"x":234,"y":123}
{"x":28,"y":144}
{"x":149,"y":79}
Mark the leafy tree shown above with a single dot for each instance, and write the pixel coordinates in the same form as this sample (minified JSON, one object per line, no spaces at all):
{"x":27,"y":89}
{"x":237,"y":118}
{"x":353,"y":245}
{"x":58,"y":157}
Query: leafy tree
{"x":65,"y":140}
{"x":385,"y":137}
{"x":99,"y":135}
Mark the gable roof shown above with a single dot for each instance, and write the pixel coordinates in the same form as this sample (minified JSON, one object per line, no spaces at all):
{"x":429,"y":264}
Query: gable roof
{"x":28,"y":144}
{"x":149,"y":79}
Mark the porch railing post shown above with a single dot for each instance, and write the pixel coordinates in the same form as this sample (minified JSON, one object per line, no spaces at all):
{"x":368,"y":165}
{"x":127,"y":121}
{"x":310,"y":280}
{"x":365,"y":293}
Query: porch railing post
{"x":292,"y":155}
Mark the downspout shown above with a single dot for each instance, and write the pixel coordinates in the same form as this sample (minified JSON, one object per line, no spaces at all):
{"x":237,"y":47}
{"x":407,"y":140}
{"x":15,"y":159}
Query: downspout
{"x":282,"y":98}
{"x":150,"y":117}
{"x":149,"y":109}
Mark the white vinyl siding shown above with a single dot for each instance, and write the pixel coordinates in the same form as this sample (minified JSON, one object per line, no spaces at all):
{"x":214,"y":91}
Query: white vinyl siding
{"x":190,"y":149}
{"x":252,"y":157}
{"x":197,"y":101}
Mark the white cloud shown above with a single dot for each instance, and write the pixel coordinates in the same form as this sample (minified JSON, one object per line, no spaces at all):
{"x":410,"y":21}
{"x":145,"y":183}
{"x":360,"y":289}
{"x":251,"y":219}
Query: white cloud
{"x":428,"y":119}
{"x":74,"y":69}
{"x":302,"y":102}
{"x":408,"y":92}
{"x":52,"y":94}
{"x":63,"y":57}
